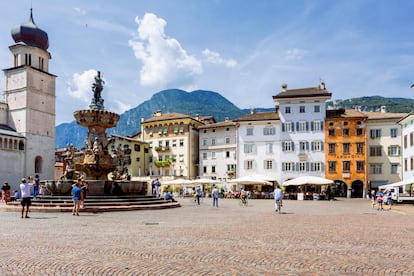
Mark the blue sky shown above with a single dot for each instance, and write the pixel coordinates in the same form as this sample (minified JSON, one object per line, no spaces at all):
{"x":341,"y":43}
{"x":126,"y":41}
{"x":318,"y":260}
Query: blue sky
{"x":243,"y":50}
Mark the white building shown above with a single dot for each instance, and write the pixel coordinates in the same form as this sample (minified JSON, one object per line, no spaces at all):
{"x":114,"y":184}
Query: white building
{"x":258,"y":145}
{"x":302,"y":114}
{"x":218,"y":157}
{"x":407,"y":128}
{"x":29,"y":94}
{"x":384,"y":148}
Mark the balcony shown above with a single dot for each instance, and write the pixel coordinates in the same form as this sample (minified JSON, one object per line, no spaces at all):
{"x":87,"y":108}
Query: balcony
{"x":162,"y":148}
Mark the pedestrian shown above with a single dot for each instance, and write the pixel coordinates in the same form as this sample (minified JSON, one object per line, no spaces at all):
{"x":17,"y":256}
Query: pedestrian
{"x":36,"y":186}
{"x":5,"y":192}
{"x":278,"y":196}
{"x":380,"y":200}
{"x":198,"y":194}
{"x":157,"y":185}
{"x":215,"y":195}
{"x":373,"y":198}
{"x":77,"y":196}
{"x":25,"y":187}
{"x":389,"y":199}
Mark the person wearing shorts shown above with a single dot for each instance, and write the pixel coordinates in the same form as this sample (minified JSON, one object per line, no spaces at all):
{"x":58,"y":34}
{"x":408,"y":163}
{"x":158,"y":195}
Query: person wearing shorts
{"x":77,"y":196}
{"x":26,"y":197}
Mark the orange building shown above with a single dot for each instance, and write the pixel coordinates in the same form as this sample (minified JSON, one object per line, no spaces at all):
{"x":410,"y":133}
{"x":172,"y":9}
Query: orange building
{"x":346,"y":151}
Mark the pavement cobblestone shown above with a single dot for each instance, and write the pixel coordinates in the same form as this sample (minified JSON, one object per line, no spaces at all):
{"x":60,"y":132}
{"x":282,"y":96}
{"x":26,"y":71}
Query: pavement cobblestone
{"x":343,"y":237}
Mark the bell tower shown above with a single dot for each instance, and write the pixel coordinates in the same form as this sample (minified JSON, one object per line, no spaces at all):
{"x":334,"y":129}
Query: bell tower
{"x":30,"y":96}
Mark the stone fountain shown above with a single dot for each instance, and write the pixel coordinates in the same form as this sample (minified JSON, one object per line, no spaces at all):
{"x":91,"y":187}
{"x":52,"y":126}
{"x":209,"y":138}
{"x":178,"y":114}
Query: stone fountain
{"x":96,"y":163}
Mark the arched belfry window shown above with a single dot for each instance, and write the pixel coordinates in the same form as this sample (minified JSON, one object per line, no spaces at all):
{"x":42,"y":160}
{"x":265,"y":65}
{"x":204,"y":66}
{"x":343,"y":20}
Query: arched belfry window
{"x":38,"y":164}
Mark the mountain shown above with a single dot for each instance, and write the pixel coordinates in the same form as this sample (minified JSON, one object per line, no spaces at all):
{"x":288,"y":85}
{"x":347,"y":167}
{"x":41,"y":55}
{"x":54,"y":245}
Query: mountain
{"x":205,"y":103}
{"x":374,"y":103}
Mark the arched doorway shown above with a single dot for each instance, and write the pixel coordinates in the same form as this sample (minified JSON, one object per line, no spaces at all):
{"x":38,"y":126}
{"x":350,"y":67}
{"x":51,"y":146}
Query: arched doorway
{"x":38,"y":164}
{"x":340,"y":188}
{"x":357,"y":189}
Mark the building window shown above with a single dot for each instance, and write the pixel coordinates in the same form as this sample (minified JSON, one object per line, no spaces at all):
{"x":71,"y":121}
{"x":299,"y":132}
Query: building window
{"x":316,"y":125}
{"x":331,"y":132}
{"x":181,"y":142}
{"x":227,"y":140}
{"x":316,"y":167}
{"x":317,"y":145}
{"x":269,"y":131}
{"x":332,"y":148}
{"x":213,"y":141}
{"x":204,"y":142}
{"x":405,"y":141}
{"x":269,"y":148}
{"x":346,"y":148}
{"x":405,"y":164}
{"x":317,"y":108}
{"x":268,"y":164}
{"x":227,"y":154}
{"x":249,"y":131}
{"x":411,"y":139}
{"x":303,"y":146}
{"x":394,"y":168}
{"x":287,"y":109}
{"x":375,"y":168}
{"x":137,"y":147}
{"x":394,"y":150}
{"x":346,"y":166}
{"x":204,"y":169}
{"x":302,"y":166}
{"x":332,"y":166}
{"x":213,"y":169}
{"x":213,"y":155}
{"x":375,"y":133}
{"x":359,"y":131}
{"x":288,"y":127}
{"x":360,"y":166}
{"x":287,"y":166}
{"x":375,"y":151}
{"x":174,"y":142}
{"x":302,"y":126}
{"x":302,"y":109}
{"x":345,"y":132}
{"x":181,"y":158}
{"x":394,"y":132}
{"x":288,"y":146}
{"x":411,"y":163}
{"x":248,"y":164}
{"x":360,"y":148}
{"x":249,"y":148}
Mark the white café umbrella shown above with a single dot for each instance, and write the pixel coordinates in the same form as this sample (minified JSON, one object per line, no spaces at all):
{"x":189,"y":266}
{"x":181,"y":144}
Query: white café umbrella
{"x":307,"y":180}
{"x":177,"y":182}
{"x":250,"y":179}
{"x":204,"y":181}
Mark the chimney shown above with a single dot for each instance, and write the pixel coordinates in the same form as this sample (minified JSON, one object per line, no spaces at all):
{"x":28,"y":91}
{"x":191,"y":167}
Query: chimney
{"x":252,"y":110}
{"x":322,"y":85}
{"x":158,"y":113}
{"x":358,"y":108}
{"x":383,"y":109}
{"x":284,"y":87}
{"x":226,"y":119}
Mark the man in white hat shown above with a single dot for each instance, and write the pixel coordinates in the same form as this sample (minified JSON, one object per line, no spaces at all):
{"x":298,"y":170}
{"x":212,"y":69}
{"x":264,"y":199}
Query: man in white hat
{"x":26,"y":197}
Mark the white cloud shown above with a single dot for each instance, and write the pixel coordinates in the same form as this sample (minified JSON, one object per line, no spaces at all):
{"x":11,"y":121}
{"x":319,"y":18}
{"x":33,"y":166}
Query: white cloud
{"x":80,"y":87}
{"x":80,"y":11}
{"x":295,"y":54}
{"x":215,"y":58}
{"x":122,"y":107}
{"x":165,"y":62}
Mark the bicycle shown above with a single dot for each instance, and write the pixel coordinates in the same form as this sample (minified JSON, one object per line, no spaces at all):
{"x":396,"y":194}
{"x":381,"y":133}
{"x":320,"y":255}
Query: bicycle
{"x":278,"y":206}
{"x":243,"y":201}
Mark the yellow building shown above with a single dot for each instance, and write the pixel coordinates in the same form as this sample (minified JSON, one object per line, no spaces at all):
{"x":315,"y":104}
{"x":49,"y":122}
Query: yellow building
{"x":135,"y":154}
{"x":174,"y":144}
